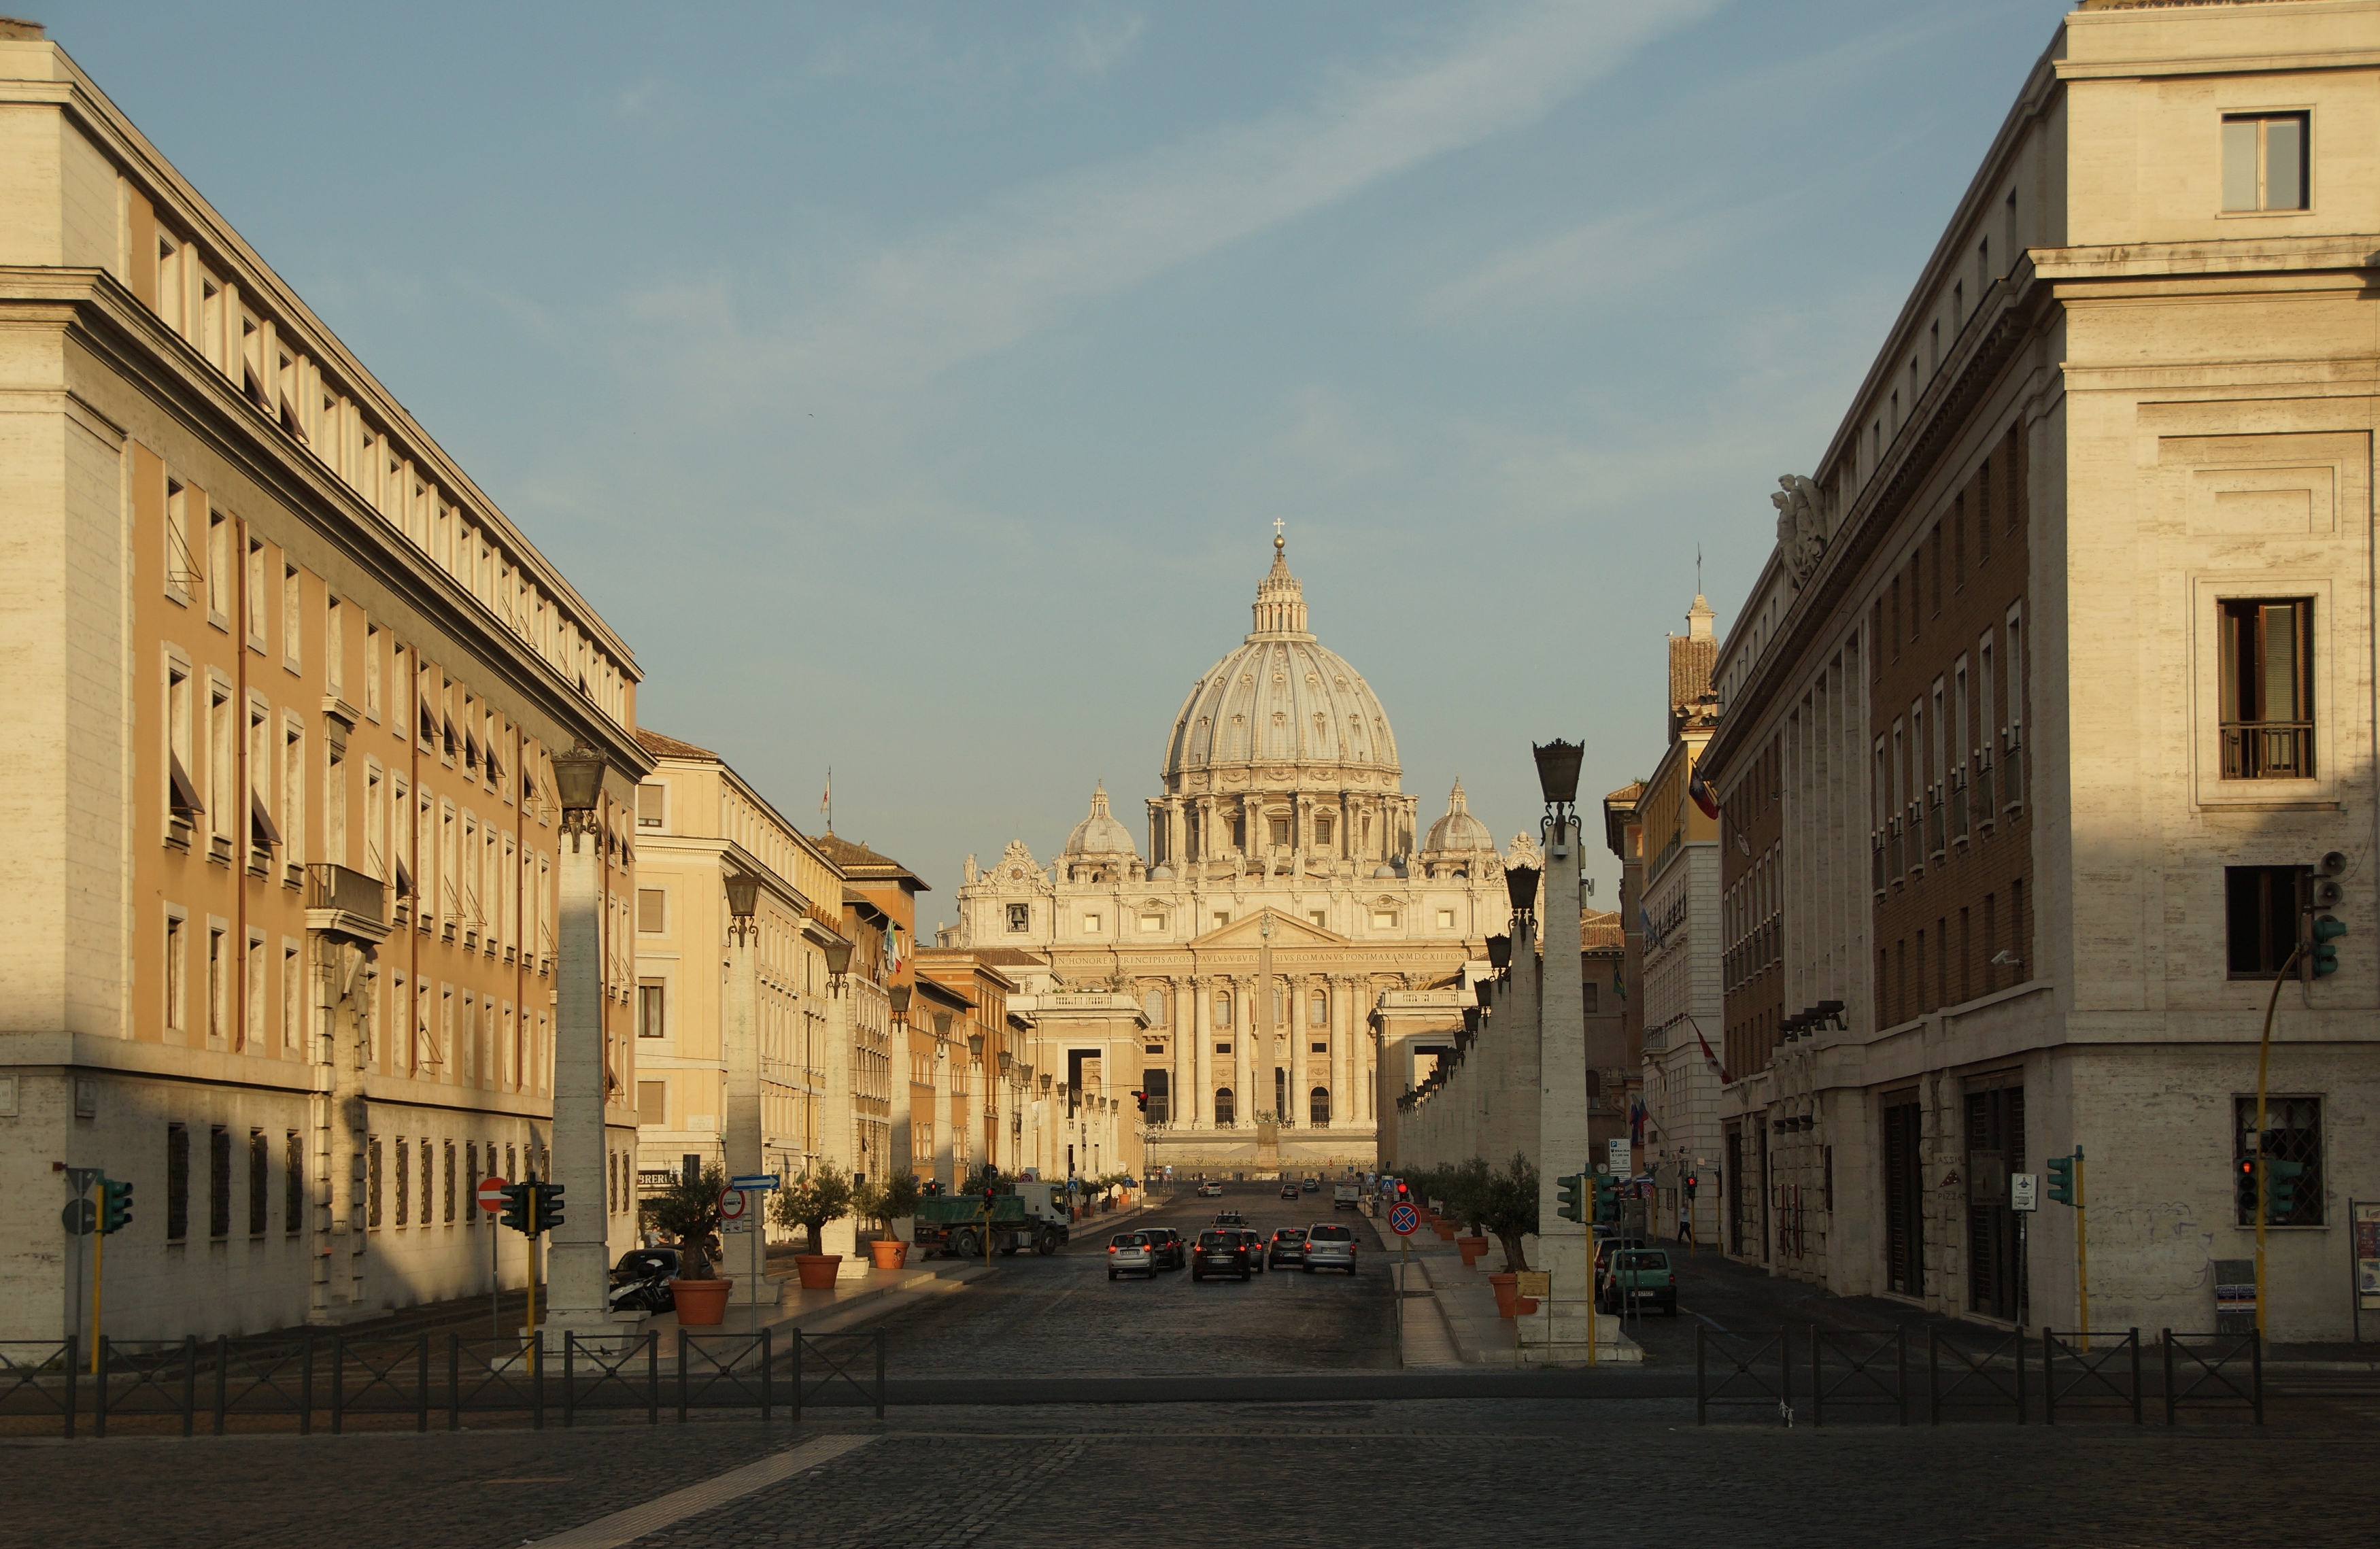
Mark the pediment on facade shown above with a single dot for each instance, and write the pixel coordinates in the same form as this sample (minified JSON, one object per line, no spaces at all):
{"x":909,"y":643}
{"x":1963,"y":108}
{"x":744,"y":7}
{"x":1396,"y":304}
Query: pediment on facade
{"x":1286,"y":932}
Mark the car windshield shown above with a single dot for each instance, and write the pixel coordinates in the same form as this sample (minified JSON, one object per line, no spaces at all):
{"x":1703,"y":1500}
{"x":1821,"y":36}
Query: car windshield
{"x":1644,"y":1261}
{"x":1130,"y":1239}
{"x":1331,"y":1234}
{"x":1289,"y":1234}
{"x":1219,"y":1240}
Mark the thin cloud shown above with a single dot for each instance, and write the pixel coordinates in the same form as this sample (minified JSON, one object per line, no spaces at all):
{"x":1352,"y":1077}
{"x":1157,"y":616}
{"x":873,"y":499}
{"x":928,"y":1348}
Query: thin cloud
{"x":915,"y":310}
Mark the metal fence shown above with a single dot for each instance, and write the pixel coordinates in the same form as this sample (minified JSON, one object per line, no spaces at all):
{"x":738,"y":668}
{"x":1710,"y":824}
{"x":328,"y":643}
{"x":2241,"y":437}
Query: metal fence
{"x":1806,"y":1371}
{"x":61,"y":1387}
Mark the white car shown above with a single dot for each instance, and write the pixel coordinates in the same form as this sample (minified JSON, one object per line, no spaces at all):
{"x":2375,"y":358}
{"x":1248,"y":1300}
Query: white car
{"x":1329,"y":1245}
{"x":1211,"y":1191}
{"x":1131,"y":1253}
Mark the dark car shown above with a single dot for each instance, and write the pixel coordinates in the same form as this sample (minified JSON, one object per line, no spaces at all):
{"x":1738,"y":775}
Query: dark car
{"x":1221,"y":1250}
{"x":1167,"y":1244}
{"x":1311,"y":1186}
{"x":1289,"y":1190}
{"x":1288,"y":1247}
{"x":1230,"y":1218}
{"x":1257,"y":1245}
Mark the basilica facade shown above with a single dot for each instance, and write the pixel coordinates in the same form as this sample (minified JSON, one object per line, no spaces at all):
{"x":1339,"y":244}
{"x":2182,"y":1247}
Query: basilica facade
{"x":1239,"y":976}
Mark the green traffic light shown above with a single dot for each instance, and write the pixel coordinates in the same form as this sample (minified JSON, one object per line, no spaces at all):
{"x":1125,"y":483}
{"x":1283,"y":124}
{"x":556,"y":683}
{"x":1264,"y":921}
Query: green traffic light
{"x":2281,"y":1188}
{"x":116,"y":1205}
{"x":2325,"y":956}
{"x":2061,"y":1180}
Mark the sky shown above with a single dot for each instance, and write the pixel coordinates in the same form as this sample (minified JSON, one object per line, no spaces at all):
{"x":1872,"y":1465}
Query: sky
{"x":914,"y":386}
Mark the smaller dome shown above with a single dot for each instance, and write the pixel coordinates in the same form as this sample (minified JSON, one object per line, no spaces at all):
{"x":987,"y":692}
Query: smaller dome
{"x":1100,"y":834}
{"x":1383,"y":870}
{"x":1458,"y":829}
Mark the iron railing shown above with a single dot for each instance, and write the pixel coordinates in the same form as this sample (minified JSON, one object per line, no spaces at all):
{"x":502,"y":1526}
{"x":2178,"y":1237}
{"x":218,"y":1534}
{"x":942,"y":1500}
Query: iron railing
{"x":2268,"y":750}
{"x":326,"y":1380}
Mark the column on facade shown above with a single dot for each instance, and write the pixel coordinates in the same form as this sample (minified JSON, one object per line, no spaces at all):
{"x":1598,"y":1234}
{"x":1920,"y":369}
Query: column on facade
{"x":1181,"y":1024}
{"x":942,"y":1116}
{"x":1244,"y":1049}
{"x":1302,"y":1030}
{"x":1199,"y":1100}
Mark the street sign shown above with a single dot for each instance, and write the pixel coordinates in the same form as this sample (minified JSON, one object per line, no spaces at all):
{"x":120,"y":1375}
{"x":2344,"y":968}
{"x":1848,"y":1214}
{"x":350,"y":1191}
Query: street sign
{"x":81,"y":1179}
{"x":2025,"y":1190}
{"x":1403,"y":1219}
{"x":735,"y":1229}
{"x":81,"y":1217}
{"x":1618,"y":1151}
{"x":1538,"y":1283}
{"x":491,"y":1194}
{"x":756,"y":1180}
{"x":731,"y":1206}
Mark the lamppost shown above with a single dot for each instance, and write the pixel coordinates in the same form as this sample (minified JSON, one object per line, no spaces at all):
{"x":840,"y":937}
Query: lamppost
{"x":1562,"y":1138}
{"x":902,"y":1150}
{"x":942,"y":1103}
{"x":578,"y":1260}
{"x":740,"y":1030}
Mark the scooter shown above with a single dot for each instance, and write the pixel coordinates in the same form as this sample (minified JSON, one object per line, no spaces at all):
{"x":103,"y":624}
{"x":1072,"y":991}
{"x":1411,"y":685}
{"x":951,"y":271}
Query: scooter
{"x":640,"y":1281}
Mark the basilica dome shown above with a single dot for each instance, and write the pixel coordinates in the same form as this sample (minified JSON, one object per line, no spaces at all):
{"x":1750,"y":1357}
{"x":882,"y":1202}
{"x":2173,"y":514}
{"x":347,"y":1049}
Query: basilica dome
{"x":1282,"y":699}
{"x":1458,"y":829}
{"x":1101,"y":834}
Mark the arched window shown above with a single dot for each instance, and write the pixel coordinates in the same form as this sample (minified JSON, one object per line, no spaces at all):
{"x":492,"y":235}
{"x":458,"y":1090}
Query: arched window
{"x":1154,"y":1004}
{"x":1317,"y":1010}
{"x":1222,"y":1010}
{"x":1224,"y":1105}
{"x":1317,"y":1105}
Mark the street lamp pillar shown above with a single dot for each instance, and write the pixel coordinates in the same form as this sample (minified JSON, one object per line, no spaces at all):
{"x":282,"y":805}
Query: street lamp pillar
{"x":740,"y":1040}
{"x":578,"y":1260}
{"x":1561,"y":1053}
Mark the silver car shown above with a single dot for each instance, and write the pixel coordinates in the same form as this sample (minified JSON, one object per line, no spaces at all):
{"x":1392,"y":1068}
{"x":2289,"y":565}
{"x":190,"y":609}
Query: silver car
{"x":1131,"y":1253}
{"x":1329,"y":1245}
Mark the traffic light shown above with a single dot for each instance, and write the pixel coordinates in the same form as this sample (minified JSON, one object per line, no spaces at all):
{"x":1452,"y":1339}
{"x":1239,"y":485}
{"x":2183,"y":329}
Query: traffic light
{"x":114,"y":1205}
{"x":2243,"y":1188}
{"x":1405,"y":1195}
{"x":1607,"y":1201}
{"x":515,"y":1211}
{"x":1691,"y":1181}
{"x":2061,"y":1180}
{"x":2281,"y":1188}
{"x":1141,"y":1098}
{"x":2325,"y":956}
{"x":1571,"y":1207}
{"x":548,"y":1206}
{"x":933,"y":1186}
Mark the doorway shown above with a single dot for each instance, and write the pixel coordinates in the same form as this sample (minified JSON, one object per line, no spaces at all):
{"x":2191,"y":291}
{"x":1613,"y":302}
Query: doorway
{"x":1995,"y":1149}
{"x":1904,"y":1195}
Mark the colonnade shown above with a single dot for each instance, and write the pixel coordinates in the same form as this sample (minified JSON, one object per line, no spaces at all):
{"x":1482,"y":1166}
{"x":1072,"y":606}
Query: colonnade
{"x":1199,"y":1072}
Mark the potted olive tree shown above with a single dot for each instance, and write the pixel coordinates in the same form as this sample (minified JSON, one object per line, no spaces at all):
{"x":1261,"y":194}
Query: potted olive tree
{"x":884,"y":1203}
{"x":1509,"y":1211}
{"x":688,"y":1211}
{"x":1468,"y":1190}
{"x":810,"y":1201}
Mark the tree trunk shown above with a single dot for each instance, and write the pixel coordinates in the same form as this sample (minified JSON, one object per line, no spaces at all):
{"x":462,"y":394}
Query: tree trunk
{"x":813,"y":1229}
{"x":1513,"y":1261}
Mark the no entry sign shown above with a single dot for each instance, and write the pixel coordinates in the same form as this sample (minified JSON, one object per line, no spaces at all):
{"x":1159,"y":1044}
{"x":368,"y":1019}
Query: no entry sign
{"x":491,"y":1194}
{"x":1403,"y":1220}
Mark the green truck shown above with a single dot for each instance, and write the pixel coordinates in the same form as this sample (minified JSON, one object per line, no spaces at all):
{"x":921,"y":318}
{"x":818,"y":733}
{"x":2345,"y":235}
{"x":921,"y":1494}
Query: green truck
{"x":1028,"y":1214}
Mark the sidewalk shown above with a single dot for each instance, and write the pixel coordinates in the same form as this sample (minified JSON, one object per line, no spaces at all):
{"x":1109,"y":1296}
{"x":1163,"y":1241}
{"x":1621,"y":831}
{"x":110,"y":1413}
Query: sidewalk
{"x":1449,"y":1318}
{"x":861,"y":1295}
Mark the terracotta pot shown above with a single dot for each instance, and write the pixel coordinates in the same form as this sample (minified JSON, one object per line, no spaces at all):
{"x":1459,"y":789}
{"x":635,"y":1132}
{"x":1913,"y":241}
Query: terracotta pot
{"x":1471,"y":1248}
{"x":818,"y":1270}
{"x":1508,"y":1294}
{"x":1445,"y":1230}
{"x":890,"y":1252}
{"x":701,"y":1303}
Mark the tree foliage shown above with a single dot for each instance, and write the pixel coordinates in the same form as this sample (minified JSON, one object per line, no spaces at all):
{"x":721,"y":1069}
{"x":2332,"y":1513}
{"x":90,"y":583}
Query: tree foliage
{"x":813,"y":1198}
{"x":688,"y":1211}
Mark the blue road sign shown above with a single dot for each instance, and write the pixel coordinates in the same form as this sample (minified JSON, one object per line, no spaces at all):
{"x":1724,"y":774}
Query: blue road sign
{"x":754,"y":1181}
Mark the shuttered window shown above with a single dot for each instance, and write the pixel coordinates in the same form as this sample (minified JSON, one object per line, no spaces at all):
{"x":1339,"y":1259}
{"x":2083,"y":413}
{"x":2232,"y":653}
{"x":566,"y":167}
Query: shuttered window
{"x":652,"y":910}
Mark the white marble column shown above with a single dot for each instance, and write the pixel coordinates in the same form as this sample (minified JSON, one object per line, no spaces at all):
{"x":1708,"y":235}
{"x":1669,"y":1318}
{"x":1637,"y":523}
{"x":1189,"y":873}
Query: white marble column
{"x":1198,"y":1101}
{"x":1562,"y":1245}
{"x":578,"y":1260}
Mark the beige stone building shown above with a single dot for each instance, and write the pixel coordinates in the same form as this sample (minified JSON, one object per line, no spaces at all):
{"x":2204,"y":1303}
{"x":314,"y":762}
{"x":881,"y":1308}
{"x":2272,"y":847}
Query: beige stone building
{"x":2057,"y":693}
{"x":1288,"y":888}
{"x":815,"y":1061}
{"x":280,"y":911}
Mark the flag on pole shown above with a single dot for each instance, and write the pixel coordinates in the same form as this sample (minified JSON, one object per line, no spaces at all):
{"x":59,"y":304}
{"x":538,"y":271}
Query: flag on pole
{"x":1636,"y":1122}
{"x":1652,"y":937}
{"x":1708,"y":1057}
{"x":1700,"y":790}
{"x":826,"y":798}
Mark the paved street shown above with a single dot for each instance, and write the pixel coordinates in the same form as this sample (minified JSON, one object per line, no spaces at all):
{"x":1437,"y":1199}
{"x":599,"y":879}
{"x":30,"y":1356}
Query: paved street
{"x":1062,"y":1316}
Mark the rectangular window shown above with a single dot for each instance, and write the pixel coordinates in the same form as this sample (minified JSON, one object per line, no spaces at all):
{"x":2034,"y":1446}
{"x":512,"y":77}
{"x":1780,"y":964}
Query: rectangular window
{"x":2261,"y":904}
{"x":2265,"y":162}
{"x":177,"y":1183}
{"x":1322,"y":832}
{"x":218,"y":1182}
{"x":651,"y":802}
{"x":252,"y":1023}
{"x":260,"y":1183}
{"x":218,"y":984}
{"x":371,"y":1183}
{"x":652,"y":1009}
{"x":218,"y":570}
{"x":177,"y":966}
{"x":1446,"y":919}
{"x":446,"y":1193}
{"x":256,"y":604}
{"x":2292,"y":1134}
{"x":1279,"y":829}
{"x":1091,"y":925}
{"x":292,"y":1182}
{"x":2267,"y":647}
{"x":1151,"y":924}
{"x":293,"y":625}
{"x":652,"y":910}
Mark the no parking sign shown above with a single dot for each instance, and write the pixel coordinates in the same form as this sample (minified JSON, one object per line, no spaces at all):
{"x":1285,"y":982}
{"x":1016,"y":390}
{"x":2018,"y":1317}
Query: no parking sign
{"x":1403,"y":1219}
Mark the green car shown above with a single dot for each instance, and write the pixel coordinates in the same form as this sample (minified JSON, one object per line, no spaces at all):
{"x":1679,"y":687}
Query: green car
{"x":1636,"y":1275}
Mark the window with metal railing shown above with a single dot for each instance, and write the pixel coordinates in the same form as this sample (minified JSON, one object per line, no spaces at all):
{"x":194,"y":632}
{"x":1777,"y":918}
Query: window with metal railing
{"x":1876,"y":862}
{"x":2267,"y":646}
{"x":1958,"y":812}
{"x":1937,"y":830}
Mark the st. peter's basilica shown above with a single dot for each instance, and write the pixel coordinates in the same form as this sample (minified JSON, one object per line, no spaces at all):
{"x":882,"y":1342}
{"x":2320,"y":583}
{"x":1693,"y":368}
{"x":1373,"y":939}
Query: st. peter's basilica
{"x":1281,"y":852}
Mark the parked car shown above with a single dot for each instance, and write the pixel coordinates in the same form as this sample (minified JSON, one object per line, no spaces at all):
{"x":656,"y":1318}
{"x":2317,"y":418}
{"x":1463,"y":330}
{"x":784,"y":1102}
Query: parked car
{"x":1167,"y":1244}
{"x":1288,"y":1246}
{"x":1221,"y":1250}
{"x":1639,"y":1275}
{"x":1604,"y":1248}
{"x":1328,"y":1245}
{"x":1211,"y":1191}
{"x":1129,"y":1252}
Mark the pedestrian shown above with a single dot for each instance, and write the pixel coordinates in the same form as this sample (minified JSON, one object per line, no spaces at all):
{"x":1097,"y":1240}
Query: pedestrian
{"x":1685,"y":1222}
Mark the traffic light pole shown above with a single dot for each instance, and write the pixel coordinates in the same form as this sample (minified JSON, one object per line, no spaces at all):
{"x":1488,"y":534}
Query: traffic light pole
{"x":2082,"y":1251}
{"x":98,"y":1262}
{"x":2264,"y":1062}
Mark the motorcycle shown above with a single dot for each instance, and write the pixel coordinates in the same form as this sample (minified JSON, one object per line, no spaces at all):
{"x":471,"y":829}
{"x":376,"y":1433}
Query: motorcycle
{"x":640,"y":1281}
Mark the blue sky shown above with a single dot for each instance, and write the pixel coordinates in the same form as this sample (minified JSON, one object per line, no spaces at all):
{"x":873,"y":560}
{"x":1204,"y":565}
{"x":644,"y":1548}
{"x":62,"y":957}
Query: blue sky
{"x":916,"y":385}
